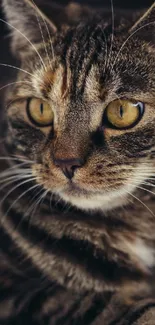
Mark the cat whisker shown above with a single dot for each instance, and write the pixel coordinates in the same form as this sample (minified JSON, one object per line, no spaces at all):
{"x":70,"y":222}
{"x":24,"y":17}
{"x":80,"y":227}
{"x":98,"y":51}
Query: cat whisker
{"x":17,"y":82}
{"x":149,"y":184}
{"x":50,"y":39}
{"x":106,"y":52}
{"x":58,"y":200}
{"x":15,"y":169}
{"x":67,"y":207}
{"x":33,"y":201}
{"x":41,"y":30}
{"x":142,"y":188}
{"x":15,"y":187}
{"x":17,"y":162}
{"x":129,"y":37}
{"x":19,"y":197}
{"x":139,"y":164}
{"x":112,"y":34}
{"x":22,"y":70}
{"x":142,"y":175}
{"x":22,"y":158}
{"x":37,"y":203}
{"x":26,"y":213}
{"x":51,"y":197}
{"x":14,"y":180}
{"x":145,"y":175}
{"x":144,"y":172}
{"x":17,"y":30}
{"x":14,"y":158}
{"x":12,"y":171}
{"x":19,"y":166}
{"x":49,"y":35}
{"x":29,"y":209}
{"x":144,"y":182}
{"x":135,"y":197}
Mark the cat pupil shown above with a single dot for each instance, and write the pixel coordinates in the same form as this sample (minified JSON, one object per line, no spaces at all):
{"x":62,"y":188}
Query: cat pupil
{"x":121,"y":111}
{"x":41,"y":108}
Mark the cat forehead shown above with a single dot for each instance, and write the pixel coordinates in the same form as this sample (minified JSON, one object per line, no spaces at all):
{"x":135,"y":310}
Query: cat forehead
{"x":61,"y":84}
{"x":90,"y":78}
{"x":86,"y":59}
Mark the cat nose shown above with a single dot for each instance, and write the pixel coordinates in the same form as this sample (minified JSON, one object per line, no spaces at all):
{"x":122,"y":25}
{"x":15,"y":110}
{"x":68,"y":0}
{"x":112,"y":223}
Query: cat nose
{"x":68,"y":166}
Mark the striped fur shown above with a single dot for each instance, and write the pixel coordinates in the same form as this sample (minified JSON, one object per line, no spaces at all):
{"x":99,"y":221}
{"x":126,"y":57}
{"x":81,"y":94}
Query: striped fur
{"x":80,"y":252}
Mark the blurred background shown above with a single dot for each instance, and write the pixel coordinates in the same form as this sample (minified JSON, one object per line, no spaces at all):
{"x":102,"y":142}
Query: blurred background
{"x":5,"y":55}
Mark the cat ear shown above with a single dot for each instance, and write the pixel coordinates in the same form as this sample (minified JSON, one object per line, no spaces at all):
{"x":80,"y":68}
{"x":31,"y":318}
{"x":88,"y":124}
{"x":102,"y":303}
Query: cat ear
{"x":27,"y":24}
{"x":145,"y":26}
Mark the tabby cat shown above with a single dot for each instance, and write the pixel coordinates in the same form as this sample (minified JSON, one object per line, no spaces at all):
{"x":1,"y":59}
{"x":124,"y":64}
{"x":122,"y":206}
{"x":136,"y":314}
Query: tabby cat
{"x":77,"y":186}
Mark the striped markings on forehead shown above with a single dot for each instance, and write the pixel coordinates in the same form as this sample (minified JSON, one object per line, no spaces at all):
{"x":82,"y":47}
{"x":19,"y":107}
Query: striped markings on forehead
{"x":58,"y":78}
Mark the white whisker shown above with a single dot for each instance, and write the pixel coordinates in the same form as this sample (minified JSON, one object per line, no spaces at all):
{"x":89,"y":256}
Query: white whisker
{"x":148,"y":184}
{"x":22,"y":158}
{"x":22,"y":70}
{"x":41,"y":31}
{"x":49,"y":35}
{"x":12,"y":172}
{"x":51,"y":196}
{"x":151,"y":212}
{"x":14,"y":177}
{"x":10,"y":25}
{"x":17,"y":82}
{"x":15,"y":187}
{"x":52,"y":49}
{"x":142,"y":188}
{"x":106,"y":52}
{"x":34,"y":201}
{"x":37,"y":203}
{"x":112,"y":34}
{"x":19,"y":197}
{"x":29,"y":208}
{"x":16,"y":158}
{"x":124,"y":43}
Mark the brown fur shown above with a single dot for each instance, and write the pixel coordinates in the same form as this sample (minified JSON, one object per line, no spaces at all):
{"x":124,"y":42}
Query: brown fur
{"x":106,"y":241}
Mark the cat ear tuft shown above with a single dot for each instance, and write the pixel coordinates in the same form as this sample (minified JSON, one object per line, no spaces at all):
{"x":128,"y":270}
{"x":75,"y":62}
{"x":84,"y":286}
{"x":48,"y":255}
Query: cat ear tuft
{"x":145,"y":26}
{"x":27,"y":25}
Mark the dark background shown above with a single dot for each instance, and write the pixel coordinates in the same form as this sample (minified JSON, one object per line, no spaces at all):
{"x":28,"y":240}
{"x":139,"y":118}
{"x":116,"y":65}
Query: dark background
{"x":5,"y":56}
{"x":117,"y":3}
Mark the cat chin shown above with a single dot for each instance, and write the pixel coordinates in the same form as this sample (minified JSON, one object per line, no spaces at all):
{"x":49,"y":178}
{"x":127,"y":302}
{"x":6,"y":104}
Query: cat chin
{"x":104,"y":202}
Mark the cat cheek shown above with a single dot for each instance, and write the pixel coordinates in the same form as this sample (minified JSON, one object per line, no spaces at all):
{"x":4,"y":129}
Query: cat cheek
{"x":51,"y":178}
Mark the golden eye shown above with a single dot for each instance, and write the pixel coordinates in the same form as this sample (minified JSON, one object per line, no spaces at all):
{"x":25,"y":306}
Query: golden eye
{"x":39,"y":112}
{"x":123,"y":113}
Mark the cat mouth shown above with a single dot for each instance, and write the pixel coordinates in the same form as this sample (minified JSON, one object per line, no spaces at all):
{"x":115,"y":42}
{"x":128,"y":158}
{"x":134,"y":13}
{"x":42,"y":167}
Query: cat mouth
{"x":75,"y":190}
{"x":85,"y":199}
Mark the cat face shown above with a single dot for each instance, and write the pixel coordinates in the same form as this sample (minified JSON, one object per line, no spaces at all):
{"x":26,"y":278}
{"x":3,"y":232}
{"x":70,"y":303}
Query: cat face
{"x":83,"y":106}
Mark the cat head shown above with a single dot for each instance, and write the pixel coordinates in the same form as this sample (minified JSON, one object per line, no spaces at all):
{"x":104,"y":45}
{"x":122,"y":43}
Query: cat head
{"x":82,"y":108}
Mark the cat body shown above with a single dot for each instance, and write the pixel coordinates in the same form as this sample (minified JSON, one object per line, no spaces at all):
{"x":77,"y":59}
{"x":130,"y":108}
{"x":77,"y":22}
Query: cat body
{"x":77,"y":208}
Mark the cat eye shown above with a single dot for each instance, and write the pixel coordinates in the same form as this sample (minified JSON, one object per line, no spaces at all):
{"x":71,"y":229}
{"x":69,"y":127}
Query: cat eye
{"x":123,"y":113}
{"x":39,"y":112}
